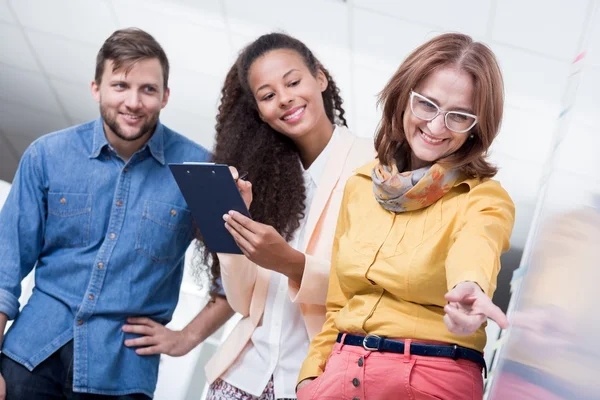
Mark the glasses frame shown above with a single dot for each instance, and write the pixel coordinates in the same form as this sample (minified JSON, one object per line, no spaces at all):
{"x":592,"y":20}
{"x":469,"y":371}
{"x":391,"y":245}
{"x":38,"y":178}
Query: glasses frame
{"x":440,"y":111}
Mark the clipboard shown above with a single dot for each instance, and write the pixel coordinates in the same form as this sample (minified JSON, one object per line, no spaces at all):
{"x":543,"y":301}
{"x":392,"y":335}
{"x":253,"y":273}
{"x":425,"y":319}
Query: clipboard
{"x":210,"y":192}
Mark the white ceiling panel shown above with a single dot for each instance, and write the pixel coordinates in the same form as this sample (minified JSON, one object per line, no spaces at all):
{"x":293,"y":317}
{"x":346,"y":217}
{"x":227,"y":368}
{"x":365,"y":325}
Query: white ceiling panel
{"x":188,"y":46}
{"x":254,"y":18}
{"x":338,"y":61}
{"x":78,"y":101}
{"x":468,"y":16}
{"x":206,"y":12}
{"x":5,"y":13}
{"x":365,"y":127}
{"x":578,"y":151}
{"x":194,"y":93}
{"x":334,"y":57}
{"x":238,"y":42}
{"x":532,"y":82}
{"x":368,"y":83}
{"x":195,"y":127}
{"x":26,"y":88}
{"x":63,"y":58}
{"x":519,"y":177}
{"x":526,"y":135}
{"x":383,"y":42}
{"x":14,"y":50}
{"x":24,"y":122}
{"x":20,"y":143}
{"x":85,"y":20}
{"x":552,"y":27}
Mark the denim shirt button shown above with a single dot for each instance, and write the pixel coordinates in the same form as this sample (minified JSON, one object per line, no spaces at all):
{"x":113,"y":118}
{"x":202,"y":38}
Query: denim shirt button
{"x":80,"y":322}
{"x":173,"y":212}
{"x":112,"y":236}
{"x":100,"y":265}
{"x":63,"y":200}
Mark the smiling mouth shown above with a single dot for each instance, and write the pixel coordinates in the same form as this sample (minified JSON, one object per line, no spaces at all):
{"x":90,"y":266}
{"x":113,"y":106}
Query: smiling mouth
{"x":130,"y":117}
{"x":295,"y":114}
{"x":430,"y":139}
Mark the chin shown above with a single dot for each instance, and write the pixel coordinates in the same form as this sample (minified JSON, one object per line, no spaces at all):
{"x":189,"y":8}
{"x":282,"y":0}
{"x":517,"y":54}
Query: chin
{"x":428,"y":157}
{"x":295,"y":131}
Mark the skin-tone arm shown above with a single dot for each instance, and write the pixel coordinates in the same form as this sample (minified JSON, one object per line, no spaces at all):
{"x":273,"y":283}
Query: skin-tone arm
{"x":3,"y":320}
{"x":158,"y":339}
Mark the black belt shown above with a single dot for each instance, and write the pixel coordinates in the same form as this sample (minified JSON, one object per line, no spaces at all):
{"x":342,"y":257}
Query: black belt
{"x":377,"y":343}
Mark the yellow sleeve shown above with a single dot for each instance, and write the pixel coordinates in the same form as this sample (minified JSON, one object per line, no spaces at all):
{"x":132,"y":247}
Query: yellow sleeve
{"x":323,"y":343}
{"x":486,"y":225}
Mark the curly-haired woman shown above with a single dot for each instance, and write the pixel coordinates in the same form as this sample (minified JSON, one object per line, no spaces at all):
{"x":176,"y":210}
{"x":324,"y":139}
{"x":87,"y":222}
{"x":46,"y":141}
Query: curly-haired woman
{"x":281,"y":120}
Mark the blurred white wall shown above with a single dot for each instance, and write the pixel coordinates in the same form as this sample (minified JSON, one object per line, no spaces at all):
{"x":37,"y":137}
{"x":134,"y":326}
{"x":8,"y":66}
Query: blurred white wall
{"x":4,"y":189}
{"x":48,"y":48}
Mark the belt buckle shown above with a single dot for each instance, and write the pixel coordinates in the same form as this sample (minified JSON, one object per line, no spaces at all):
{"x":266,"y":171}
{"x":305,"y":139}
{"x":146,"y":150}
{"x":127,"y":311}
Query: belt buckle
{"x":454,"y":352}
{"x":364,"y":343}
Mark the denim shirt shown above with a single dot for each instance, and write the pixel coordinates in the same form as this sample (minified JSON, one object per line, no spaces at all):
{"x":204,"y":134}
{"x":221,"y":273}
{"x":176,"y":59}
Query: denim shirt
{"x":107,"y":238}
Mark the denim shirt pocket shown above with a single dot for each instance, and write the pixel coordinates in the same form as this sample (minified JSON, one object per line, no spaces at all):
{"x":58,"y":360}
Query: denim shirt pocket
{"x":165,"y":231}
{"x":69,"y":219}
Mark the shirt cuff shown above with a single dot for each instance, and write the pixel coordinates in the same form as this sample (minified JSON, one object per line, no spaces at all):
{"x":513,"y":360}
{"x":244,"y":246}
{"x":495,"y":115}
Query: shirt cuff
{"x":315,"y":282}
{"x":9,"y":304}
{"x":471,"y":276}
{"x":311,"y":368}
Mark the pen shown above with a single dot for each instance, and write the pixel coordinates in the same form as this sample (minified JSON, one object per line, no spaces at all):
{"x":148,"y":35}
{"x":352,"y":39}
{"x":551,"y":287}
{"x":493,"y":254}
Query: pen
{"x":243,"y":175}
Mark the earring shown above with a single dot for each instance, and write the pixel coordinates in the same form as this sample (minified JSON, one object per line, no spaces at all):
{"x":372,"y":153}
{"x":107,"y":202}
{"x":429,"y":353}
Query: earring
{"x":471,"y":136}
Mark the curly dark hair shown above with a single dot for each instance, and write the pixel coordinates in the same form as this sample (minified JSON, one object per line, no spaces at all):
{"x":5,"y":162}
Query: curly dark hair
{"x":270,"y":158}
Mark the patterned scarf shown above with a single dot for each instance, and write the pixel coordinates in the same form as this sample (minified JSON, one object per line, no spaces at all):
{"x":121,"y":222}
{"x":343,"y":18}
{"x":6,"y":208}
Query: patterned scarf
{"x":411,"y":190}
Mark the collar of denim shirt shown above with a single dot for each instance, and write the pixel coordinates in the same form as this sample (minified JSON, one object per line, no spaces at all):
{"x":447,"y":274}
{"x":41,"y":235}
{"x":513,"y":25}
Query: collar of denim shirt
{"x":155,"y":144}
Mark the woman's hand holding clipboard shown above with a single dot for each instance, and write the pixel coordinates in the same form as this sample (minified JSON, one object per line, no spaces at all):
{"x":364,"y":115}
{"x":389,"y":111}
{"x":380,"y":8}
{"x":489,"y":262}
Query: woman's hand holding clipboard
{"x":261,"y":243}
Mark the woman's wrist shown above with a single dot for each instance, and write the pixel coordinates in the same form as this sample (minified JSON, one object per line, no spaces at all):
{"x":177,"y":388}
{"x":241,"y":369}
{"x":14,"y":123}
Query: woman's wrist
{"x":294,"y":267}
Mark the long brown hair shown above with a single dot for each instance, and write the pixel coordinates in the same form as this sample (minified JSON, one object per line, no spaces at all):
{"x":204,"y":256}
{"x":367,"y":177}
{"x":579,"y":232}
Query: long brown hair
{"x":270,"y":158}
{"x":452,"y":49}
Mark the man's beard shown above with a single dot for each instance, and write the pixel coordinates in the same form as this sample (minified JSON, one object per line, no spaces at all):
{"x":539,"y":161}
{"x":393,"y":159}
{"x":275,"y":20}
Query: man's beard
{"x":147,"y":128}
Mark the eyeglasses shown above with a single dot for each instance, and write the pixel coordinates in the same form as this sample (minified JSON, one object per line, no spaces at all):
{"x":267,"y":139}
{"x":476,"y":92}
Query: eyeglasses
{"x":427,"y":110}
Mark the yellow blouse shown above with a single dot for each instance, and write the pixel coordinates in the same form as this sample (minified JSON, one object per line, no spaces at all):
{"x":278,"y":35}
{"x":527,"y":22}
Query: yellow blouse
{"x":389,"y":272}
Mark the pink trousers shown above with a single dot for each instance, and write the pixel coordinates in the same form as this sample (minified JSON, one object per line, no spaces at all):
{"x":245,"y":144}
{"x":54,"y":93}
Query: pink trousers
{"x":354,"y":373}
